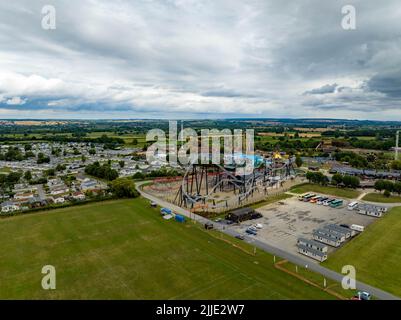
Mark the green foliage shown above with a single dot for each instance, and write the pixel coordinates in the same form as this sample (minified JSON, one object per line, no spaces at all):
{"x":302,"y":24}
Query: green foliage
{"x":317,"y":177}
{"x":12,"y":154}
{"x":50,"y":173}
{"x":42,"y":158}
{"x":352,"y":158}
{"x":7,"y":181}
{"x":101,"y":171}
{"x":298,"y":160}
{"x":388,"y":185}
{"x":337,"y":179}
{"x":61,"y":167}
{"x":28,"y":175}
{"x":124,"y":188}
{"x":396,"y":165}
{"x":350,"y":181}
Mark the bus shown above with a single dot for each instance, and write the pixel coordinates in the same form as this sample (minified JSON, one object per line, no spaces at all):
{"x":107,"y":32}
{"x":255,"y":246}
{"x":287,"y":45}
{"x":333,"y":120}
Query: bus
{"x":336,"y":203}
{"x":309,"y":196}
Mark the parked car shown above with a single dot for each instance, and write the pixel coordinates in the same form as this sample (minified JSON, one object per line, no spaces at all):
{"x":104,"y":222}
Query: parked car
{"x":251,"y":231}
{"x":208,"y":225}
{"x":364,"y":295}
{"x":240,"y":237}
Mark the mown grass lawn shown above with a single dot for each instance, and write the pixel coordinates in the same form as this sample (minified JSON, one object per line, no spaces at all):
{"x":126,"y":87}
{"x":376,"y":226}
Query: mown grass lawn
{"x":329,"y":190}
{"x":125,"y":250}
{"x":375,"y":253}
{"x":379,"y":197}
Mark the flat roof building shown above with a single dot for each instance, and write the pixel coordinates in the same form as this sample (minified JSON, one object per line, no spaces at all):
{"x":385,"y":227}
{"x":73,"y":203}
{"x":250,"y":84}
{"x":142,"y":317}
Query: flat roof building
{"x":242,"y":214}
{"x":312,"y":253}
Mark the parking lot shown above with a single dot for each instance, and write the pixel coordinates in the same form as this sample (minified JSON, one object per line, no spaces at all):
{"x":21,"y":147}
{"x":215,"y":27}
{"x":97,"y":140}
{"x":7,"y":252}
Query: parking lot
{"x":287,"y":220}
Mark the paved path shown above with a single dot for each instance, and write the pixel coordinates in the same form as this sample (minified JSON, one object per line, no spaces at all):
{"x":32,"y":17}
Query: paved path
{"x":296,"y":259}
{"x":41,"y":192}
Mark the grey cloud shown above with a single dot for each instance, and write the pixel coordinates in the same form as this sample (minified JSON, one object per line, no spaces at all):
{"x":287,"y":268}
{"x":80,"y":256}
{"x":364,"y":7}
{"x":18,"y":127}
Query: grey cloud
{"x":328,"y":88}
{"x":387,"y":83}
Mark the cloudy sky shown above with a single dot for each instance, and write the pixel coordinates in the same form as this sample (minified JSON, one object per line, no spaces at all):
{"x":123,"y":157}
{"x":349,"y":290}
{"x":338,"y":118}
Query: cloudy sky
{"x":200,"y":59}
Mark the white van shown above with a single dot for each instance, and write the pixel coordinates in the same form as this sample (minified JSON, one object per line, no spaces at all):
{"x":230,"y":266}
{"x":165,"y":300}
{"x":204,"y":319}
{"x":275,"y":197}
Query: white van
{"x":353,"y":205}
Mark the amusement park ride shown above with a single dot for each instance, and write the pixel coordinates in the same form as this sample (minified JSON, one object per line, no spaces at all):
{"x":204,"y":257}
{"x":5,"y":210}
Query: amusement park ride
{"x":203,"y":184}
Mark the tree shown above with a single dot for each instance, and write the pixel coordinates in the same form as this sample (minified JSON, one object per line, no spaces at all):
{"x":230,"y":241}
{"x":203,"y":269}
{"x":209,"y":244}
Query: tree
{"x":397,"y":187}
{"x":50,"y":173}
{"x":101,"y":171}
{"x":28,"y":175}
{"x":388,"y":186}
{"x":387,"y":193}
{"x":337,"y":179}
{"x":379,"y":185}
{"x":135,"y":141}
{"x":42,"y":158}
{"x":351,"y":182}
{"x":121,"y":163}
{"x":298,"y":161}
{"x":138,"y":176}
{"x":13,"y":178}
{"x":396,"y":165}
{"x":92,"y":151}
{"x":61,"y":167}
{"x":124,"y":188}
{"x":317,"y":177}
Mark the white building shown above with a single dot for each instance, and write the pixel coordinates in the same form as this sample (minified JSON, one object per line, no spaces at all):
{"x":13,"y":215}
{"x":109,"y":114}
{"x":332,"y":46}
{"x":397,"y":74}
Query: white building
{"x":9,"y":206}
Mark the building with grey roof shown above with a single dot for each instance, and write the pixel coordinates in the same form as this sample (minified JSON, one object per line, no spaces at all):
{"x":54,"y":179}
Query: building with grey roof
{"x":326,"y":237}
{"x":312,"y":253}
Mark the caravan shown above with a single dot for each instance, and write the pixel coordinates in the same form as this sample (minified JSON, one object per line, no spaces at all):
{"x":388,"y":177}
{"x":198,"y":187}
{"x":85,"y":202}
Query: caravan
{"x":352,"y":205}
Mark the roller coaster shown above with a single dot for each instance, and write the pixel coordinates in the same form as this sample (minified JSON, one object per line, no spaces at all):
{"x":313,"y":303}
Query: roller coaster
{"x":204,"y":183}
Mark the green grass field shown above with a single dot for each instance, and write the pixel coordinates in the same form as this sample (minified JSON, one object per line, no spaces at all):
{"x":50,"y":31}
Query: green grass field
{"x":338,"y":192}
{"x":124,"y":250}
{"x":379,"y":197}
{"x":376,"y":253}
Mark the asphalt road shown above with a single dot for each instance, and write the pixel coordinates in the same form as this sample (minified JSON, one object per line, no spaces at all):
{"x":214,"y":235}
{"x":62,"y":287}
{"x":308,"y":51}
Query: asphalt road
{"x":296,"y":259}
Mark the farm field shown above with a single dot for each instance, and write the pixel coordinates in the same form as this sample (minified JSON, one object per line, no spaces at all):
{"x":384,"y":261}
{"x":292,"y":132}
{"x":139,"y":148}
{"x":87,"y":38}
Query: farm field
{"x":379,"y":197}
{"x":337,"y":192}
{"x":124,"y":250}
{"x":128,"y":138}
{"x":376,"y":254}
